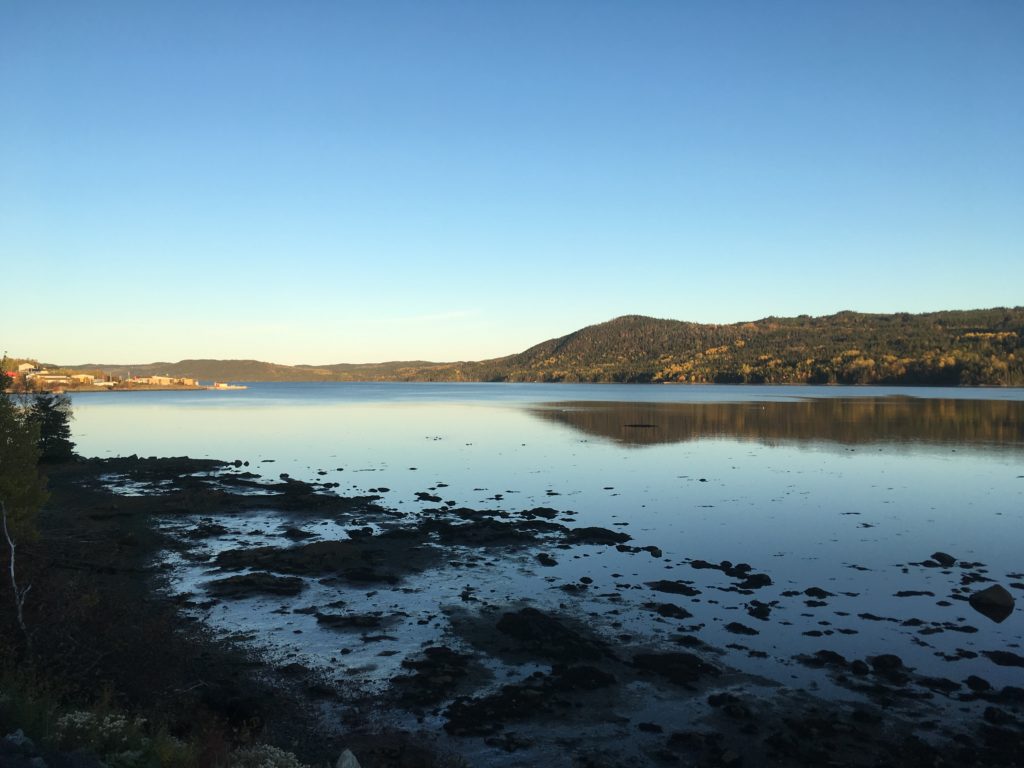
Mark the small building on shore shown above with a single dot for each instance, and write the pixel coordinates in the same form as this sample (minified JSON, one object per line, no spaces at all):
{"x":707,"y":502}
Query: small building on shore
{"x":165,"y":381}
{"x":51,"y":379}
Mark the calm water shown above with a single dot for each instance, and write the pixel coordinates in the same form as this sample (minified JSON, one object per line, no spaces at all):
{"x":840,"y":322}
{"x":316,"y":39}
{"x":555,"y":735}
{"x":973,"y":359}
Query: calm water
{"x":837,"y":488}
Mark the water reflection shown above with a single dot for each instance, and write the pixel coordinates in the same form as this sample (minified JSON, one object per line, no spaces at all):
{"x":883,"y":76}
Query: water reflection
{"x":851,"y":421}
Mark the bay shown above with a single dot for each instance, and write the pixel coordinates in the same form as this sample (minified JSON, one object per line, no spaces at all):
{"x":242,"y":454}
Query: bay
{"x":839,"y":495}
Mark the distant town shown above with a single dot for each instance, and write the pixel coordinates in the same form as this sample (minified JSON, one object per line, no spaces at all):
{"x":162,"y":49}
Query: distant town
{"x":28,"y":377}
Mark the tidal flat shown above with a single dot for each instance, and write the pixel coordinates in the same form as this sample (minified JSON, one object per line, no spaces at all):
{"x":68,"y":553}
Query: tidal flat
{"x":536,"y":575}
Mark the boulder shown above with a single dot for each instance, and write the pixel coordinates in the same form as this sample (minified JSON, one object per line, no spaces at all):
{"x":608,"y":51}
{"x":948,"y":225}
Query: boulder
{"x":595,"y":535}
{"x":946,"y":561}
{"x":995,"y":603}
{"x":673,"y":587}
{"x":347,"y":760}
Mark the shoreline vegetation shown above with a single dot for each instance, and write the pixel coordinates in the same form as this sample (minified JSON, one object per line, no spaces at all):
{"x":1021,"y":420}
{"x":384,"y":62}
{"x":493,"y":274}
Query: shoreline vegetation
{"x":983,"y":347}
{"x":121,"y":671}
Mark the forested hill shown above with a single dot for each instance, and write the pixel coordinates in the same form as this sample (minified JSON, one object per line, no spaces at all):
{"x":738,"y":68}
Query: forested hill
{"x":948,"y":348}
{"x":974,"y":347}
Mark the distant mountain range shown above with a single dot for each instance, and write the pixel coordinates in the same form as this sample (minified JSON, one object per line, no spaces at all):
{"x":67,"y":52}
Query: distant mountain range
{"x":972,"y":347}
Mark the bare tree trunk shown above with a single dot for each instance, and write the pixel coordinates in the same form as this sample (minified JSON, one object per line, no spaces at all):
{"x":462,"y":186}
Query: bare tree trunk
{"x":19,"y":594}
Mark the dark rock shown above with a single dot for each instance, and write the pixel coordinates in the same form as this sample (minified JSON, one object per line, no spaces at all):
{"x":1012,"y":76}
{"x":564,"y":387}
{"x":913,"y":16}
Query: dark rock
{"x":890,"y":667}
{"x":349,"y":620}
{"x":886,"y":662}
{"x":859,"y":667}
{"x":998,"y":716}
{"x":678,"y":667}
{"x":946,"y":561}
{"x":755,"y":581}
{"x":206,"y":530}
{"x":978,"y":684}
{"x":297,"y":534}
{"x":1010,"y":694}
{"x":580,"y":678}
{"x":995,"y":603}
{"x":546,"y":512}
{"x":940,"y":684}
{"x":759,"y":610}
{"x":689,"y":641}
{"x":668,"y":610}
{"x":433,"y":678}
{"x":369,"y":559}
{"x":489,"y":533}
{"x":595,"y":535}
{"x":721,"y":699}
{"x":509,"y":742}
{"x":824,"y":658}
{"x":259,"y":583}
{"x":740,"y":629}
{"x":574,"y":588}
{"x":673,"y":587}
{"x":486,"y":715}
{"x":1004,"y":658}
{"x":817,"y":593}
{"x":703,"y":565}
{"x":546,"y":560}
{"x":546,"y":636}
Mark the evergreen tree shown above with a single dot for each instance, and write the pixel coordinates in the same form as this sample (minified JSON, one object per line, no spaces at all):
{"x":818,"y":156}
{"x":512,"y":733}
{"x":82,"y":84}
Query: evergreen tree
{"x":52,"y":414}
{"x":20,"y":486}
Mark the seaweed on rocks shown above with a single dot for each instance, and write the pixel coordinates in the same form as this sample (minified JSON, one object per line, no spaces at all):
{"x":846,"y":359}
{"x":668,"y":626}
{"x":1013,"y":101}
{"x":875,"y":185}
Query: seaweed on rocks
{"x":678,"y":667}
{"x":258,"y":583}
{"x":433,"y":677}
{"x":385,"y":558}
{"x":543,"y":635}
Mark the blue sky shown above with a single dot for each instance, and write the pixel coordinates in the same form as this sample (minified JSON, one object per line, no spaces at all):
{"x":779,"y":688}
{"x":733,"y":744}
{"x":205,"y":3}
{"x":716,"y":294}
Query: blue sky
{"x":351,"y":182}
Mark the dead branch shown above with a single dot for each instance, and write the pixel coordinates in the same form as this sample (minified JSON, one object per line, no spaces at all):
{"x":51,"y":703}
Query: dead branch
{"x":19,"y":594}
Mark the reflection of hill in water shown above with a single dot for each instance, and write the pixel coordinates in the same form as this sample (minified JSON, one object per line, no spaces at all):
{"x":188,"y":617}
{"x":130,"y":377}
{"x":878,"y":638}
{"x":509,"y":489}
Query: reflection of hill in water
{"x":838,"y":420}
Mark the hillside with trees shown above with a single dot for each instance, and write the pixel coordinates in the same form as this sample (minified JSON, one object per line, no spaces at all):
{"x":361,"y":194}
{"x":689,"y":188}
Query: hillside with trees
{"x":952,"y":348}
{"x":980,"y":347}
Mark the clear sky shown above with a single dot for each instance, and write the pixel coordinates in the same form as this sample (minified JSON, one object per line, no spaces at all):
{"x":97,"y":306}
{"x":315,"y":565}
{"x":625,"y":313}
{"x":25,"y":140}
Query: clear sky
{"x":362,"y":181}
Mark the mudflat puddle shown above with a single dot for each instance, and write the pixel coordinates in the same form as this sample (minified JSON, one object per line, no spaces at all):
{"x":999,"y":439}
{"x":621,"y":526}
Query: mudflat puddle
{"x":526,"y":583}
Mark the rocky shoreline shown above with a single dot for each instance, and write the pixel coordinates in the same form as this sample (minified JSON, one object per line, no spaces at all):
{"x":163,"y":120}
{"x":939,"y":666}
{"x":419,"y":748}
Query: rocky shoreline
{"x":496,"y":678}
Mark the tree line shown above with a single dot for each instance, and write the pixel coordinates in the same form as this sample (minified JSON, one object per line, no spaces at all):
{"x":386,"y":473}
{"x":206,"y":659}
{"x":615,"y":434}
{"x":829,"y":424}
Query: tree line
{"x":980,"y":347}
